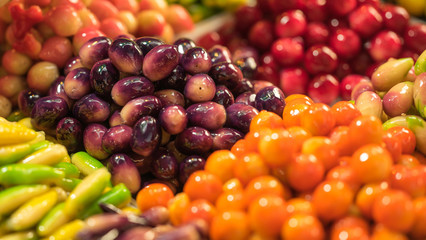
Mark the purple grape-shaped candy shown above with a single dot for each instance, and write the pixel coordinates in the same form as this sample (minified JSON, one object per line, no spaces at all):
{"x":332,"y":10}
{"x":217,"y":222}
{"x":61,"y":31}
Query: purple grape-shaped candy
{"x":227,"y":74}
{"x":194,"y":140}
{"x":138,"y":107}
{"x":47,"y":112}
{"x":91,"y":109}
{"x":160,"y":62}
{"x":103,"y":76}
{"x":208,"y":115}
{"x":196,"y":60}
{"x":117,"y":139}
{"x":146,"y":136}
{"x":173,"y":119}
{"x":183,"y":45}
{"x":225,"y":138}
{"x":189,"y":165}
{"x":170,"y":97}
{"x":69,"y":132}
{"x":146,"y":44}
{"x":94,"y":50}
{"x":26,"y":100}
{"x":126,"y":56}
{"x":271,"y":99}
{"x":223,"y":96}
{"x":247,"y":98}
{"x":219,"y":54}
{"x":123,"y":170}
{"x":200,"y":88}
{"x":57,"y":89}
{"x":77,"y":83}
{"x":239,"y":116}
{"x":92,"y":140}
{"x":130,"y":88}
{"x":164,"y":165}
{"x":247,"y":66}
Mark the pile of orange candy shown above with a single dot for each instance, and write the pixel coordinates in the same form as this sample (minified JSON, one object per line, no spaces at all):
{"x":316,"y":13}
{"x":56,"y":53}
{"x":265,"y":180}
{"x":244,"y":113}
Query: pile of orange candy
{"x":317,"y":172}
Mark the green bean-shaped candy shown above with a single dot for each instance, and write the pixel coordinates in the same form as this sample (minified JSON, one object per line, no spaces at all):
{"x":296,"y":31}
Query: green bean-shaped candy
{"x":89,"y":189}
{"x":118,"y":196}
{"x":70,"y":170}
{"x":53,"y":220}
{"x":85,"y":163}
{"x":51,"y":155}
{"x":12,"y":198}
{"x":19,"y":174}
{"x":29,"y":214}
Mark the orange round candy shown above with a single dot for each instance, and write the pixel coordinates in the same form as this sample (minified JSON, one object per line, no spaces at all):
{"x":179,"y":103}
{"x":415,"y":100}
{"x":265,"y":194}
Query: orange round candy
{"x":233,"y":184}
{"x":380,"y":232}
{"x":253,"y":138}
{"x":277,"y":148}
{"x":366,"y":196}
{"x":299,"y":135}
{"x":353,"y":228}
{"x":267,"y":215}
{"x":344,"y":112}
{"x":371,"y":163}
{"x":199,"y":209}
{"x":332,"y":199}
{"x":230,"y":225}
{"x":318,"y":119}
{"x":303,"y":226}
{"x":231,"y":201}
{"x":395,"y":210}
{"x":345,"y":174}
{"x":418,"y":231}
{"x":299,"y":205}
{"x":221,"y":163}
{"x":203,"y":185}
{"x":297,"y":96}
{"x":177,"y":206}
{"x":266,"y":119}
{"x":240,"y":148}
{"x":155,"y":194}
{"x":365,"y":130}
{"x":263,"y":185}
{"x":250,"y":166}
{"x":323,"y":149}
{"x":339,"y":136}
{"x":292,"y":114}
{"x":304,"y":172}
{"x":406,"y":136}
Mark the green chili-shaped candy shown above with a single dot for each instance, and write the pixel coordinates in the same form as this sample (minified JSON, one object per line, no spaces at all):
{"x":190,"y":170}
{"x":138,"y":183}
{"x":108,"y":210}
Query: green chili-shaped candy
{"x":19,"y":174}
{"x":29,"y":214}
{"x":118,"y":196}
{"x":12,"y":198}
{"x":13,"y":153}
{"x":85,"y":163}
{"x":51,"y":155}
{"x":53,"y":220}
{"x":68,"y":184}
{"x":89,"y":189}
{"x":70,"y":170}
